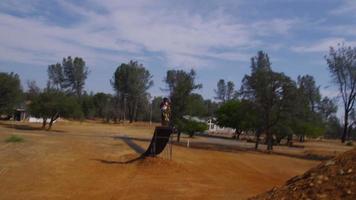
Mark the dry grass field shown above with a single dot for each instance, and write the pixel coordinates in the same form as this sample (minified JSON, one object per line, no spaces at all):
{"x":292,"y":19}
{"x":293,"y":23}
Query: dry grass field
{"x":86,"y":161}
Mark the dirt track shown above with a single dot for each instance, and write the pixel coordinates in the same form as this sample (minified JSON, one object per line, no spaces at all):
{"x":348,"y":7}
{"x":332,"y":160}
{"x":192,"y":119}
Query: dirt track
{"x":81,"y":161}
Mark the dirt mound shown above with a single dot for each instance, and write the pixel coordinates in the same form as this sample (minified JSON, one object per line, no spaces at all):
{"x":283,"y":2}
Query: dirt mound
{"x":332,"y":179}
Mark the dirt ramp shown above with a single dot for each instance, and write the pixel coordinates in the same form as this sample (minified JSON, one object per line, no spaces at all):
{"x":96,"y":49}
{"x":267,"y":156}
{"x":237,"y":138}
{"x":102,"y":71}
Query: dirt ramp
{"x":332,"y":179}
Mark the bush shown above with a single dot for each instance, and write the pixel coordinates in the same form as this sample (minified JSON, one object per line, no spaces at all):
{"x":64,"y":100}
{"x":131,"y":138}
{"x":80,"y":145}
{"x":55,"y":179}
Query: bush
{"x":191,"y":127}
{"x":14,"y":138}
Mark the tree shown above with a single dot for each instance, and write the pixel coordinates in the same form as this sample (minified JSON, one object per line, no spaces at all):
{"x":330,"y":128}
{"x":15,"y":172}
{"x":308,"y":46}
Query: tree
{"x":236,"y":114}
{"x":307,"y":102}
{"x":87,"y":105}
{"x":56,"y":76}
{"x":33,"y":90}
{"x":51,"y":104}
{"x":310,"y":91}
{"x":10,"y":92}
{"x":101,"y":101}
{"x":196,"y":106}
{"x":180,"y":85}
{"x":271,"y":93}
{"x":107,"y":107}
{"x":333,"y":128}
{"x":230,"y":90}
{"x":143,"y":109}
{"x":69,"y":76}
{"x":211,"y":107}
{"x":156,"y":111}
{"x":282,"y":130}
{"x":191,"y":127}
{"x":75,"y":74}
{"x":131,"y":81}
{"x":327,"y":108}
{"x":342,"y":66}
{"x":221,"y":91}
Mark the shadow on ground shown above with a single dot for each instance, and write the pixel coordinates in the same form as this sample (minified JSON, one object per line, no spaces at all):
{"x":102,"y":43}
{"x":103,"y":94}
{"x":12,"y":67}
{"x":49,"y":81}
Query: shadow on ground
{"x":231,"y":148}
{"x":14,"y":125}
{"x":130,"y":142}
{"x":120,"y":162}
{"x":26,"y":127}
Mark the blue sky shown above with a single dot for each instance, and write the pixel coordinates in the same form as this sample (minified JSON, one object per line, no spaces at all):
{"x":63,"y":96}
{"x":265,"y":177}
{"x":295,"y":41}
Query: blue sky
{"x":216,"y":38}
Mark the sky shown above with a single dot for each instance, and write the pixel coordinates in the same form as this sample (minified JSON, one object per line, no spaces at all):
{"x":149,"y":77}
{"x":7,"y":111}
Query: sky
{"x":216,"y":38}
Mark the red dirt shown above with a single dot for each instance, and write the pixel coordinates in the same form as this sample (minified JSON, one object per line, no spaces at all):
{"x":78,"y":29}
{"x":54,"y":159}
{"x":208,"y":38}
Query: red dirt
{"x":333,"y":179}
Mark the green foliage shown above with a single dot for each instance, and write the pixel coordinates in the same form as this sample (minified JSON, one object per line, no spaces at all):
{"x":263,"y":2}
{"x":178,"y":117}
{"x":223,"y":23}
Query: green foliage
{"x":211,"y":107}
{"x":131,"y":82}
{"x":143,"y":108}
{"x":180,"y":85}
{"x":50,"y":104}
{"x":311,"y":129}
{"x":196,"y":106}
{"x":333,"y":128}
{"x":14,"y":139}
{"x":236,"y":114}
{"x":230,"y":90}
{"x":221,"y":91}
{"x":10,"y":92}
{"x":272,"y":94}
{"x":327,"y":108}
{"x":225,"y":91}
{"x":75,"y":74}
{"x":309,"y":92}
{"x":310,"y":113}
{"x":156,"y":111}
{"x":101,"y":102}
{"x":281,"y":131}
{"x":87,"y":106}
{"x":33,"y":90}
{"x":191,"y":127}
{"x":70,"y":75}
{"x":56,"y":76}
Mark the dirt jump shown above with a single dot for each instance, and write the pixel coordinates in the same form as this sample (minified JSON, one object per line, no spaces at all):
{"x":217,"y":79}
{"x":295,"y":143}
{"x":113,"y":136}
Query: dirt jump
{"x":332,"y":179}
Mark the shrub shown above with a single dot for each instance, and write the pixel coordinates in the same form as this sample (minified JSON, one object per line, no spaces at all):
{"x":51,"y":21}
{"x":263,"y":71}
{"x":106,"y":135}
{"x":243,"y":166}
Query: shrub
{"x":190,"y":127}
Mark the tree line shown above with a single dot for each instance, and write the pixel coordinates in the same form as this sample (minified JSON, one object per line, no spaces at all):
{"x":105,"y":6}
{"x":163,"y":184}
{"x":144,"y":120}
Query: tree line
{"x":268,"y":103}
{"x":64,"y":95}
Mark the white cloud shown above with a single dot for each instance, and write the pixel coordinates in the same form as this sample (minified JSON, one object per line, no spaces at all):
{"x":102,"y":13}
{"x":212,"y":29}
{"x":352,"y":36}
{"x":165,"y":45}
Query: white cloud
{"x":347,"y":6}
{"x":322,"y":45}
{"x":347,"y":30}
{"x":129,"y":29}
{"x":275,"y":26}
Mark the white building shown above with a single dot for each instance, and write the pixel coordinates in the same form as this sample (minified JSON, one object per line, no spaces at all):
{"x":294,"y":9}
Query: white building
{"x":214,"y":128}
